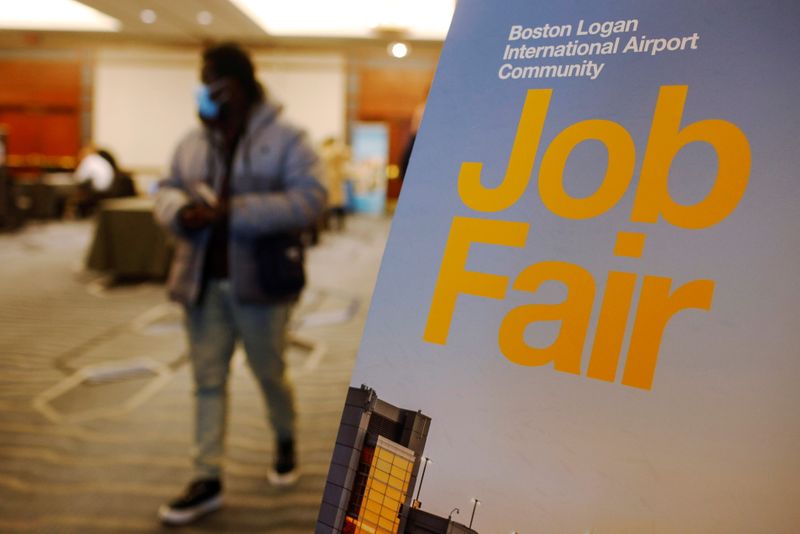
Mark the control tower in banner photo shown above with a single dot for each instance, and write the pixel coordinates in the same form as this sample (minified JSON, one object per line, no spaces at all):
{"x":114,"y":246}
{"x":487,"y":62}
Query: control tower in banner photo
{"x":374,"y":469}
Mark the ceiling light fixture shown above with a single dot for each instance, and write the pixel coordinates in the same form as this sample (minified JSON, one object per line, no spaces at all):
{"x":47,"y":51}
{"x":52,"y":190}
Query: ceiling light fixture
{"x":55,"y":15}
{"x":419,"y":19}
{"x":398,"y":50}
{"x":148,"y":16}
{"x":205,"y":18}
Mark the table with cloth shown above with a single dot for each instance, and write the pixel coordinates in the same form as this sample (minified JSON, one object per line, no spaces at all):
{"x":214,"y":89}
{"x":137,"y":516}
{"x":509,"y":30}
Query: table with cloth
{"x":127,"y":241}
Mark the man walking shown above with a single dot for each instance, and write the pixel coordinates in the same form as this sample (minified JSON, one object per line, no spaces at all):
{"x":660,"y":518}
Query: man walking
{"x":244,"y":175}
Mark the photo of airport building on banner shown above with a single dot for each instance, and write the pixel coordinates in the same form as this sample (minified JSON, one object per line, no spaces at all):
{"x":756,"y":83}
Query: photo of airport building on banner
{"x":374,"y":470}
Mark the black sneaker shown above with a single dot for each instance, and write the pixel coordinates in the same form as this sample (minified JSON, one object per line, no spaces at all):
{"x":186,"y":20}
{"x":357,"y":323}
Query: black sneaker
{"x":200,"y":498}
{"x":285,"y":472}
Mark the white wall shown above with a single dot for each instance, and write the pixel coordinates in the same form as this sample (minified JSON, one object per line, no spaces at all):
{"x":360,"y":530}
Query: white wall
{"x":144,"y":103}
{"x":311,"y":88}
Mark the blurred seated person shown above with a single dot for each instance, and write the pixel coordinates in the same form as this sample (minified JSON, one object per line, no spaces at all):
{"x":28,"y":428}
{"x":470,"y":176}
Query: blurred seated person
{"x":99,"y":178}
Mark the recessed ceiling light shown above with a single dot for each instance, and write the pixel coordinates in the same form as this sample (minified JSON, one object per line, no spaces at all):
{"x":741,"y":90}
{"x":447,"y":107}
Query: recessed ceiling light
{"x":58,"y":15}
{"x":205,"y":18}
{"x":398,"y":50}
{"x":148,"y":16}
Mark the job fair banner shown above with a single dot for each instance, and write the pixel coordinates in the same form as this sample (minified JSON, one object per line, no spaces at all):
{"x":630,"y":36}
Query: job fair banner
{"x":591,"y":288}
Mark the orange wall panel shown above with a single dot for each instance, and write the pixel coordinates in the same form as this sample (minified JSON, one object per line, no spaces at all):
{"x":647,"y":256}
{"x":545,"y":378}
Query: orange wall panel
{"x":59,"y":134}
{"x":40,"y":107}
{"x":22,"y":129}
{"x":391,"y":93}
{"x":40,"y":83}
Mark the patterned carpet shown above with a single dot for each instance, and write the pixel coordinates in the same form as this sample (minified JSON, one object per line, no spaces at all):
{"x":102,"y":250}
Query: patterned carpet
{"x":95,"y":394}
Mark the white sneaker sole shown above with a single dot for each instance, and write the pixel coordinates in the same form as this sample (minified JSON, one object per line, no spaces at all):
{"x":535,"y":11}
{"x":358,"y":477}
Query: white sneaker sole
{"x":170,"y":516}
{"x":283,"y":480}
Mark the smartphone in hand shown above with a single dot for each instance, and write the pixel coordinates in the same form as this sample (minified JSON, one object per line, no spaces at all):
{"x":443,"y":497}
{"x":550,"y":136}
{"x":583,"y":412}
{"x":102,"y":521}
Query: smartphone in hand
{"x":207,"y":194}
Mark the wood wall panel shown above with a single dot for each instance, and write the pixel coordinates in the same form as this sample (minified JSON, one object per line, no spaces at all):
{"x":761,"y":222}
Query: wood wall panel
{"x":40,"y":83}
{"x":390,"y":93}
{"x":60,"y":134}
{"x":22,"y":129}
{"x":40,"y":108}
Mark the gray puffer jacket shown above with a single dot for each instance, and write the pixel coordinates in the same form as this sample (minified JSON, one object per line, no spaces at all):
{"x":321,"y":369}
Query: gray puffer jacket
{"x":274,"y":187}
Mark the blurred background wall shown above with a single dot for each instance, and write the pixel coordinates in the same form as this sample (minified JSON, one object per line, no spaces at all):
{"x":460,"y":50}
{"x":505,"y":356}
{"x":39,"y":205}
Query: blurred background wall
{"x":131,"y":89}
{"x":150,"y":90}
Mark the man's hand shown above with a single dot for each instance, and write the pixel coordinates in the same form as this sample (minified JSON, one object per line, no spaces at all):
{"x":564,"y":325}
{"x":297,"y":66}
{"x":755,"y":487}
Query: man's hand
{"x":196,"y":216}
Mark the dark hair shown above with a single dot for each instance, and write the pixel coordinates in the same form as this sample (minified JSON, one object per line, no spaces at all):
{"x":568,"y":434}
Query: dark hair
{"x":106,"y":155}
{"x":229,"y":60}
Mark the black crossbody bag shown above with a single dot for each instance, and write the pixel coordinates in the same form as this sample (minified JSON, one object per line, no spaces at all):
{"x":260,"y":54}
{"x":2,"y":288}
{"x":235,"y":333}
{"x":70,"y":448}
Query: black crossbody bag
{"x":281,"y":264}
{"x":280,"y":259}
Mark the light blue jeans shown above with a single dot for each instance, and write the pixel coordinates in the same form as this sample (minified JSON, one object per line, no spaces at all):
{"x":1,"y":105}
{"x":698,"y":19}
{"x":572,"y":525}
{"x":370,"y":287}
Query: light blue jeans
{"x":214,"y":326}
